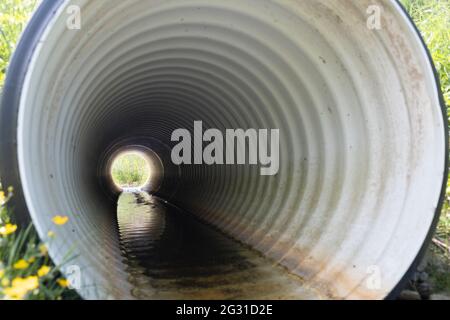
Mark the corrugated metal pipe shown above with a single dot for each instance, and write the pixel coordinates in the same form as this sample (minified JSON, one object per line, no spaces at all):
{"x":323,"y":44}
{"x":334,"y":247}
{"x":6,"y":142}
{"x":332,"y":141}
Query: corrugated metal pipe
{"x":349,"y":84}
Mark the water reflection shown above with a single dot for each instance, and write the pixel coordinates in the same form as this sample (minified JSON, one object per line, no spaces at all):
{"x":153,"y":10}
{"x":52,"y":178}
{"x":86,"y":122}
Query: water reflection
{"x":171,"y":255}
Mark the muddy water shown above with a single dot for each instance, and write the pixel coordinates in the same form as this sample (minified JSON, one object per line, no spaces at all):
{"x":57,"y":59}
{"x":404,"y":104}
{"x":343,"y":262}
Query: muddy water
{"x":171,"y":255}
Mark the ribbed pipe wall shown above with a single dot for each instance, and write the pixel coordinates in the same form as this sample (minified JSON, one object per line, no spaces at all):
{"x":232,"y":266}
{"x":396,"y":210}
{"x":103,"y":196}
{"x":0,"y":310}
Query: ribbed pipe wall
{"x":362,"y":134}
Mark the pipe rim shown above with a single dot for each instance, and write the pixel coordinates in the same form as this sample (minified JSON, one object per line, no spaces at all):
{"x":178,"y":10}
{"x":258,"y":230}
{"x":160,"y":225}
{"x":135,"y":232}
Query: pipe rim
{"x":12,"y":91}
{"x":412,"y":269}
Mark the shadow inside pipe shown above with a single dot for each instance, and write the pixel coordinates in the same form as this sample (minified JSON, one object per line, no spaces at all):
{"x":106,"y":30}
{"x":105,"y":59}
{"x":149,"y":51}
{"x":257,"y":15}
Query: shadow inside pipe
{"x":172,"y":255}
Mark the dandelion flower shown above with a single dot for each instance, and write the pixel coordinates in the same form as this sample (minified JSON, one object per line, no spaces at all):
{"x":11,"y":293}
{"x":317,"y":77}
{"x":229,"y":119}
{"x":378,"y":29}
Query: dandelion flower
{"x":63,"y":282}
{"x":43,"y":271}
{"x":50,"y":234}
{"x":2,"y":197}
{"x":8,"y":229}
{"x":21,"y":264}
{"x":60,"y":220}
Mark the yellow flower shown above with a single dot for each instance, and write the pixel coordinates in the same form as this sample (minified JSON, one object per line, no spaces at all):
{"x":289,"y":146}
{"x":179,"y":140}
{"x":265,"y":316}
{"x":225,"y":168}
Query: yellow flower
{"x":43,"y":249}
{"x":30,"y":283}
{"x":2,"y":197}
{"x":20,"y":287}
{"x":63,"y":282}
{"x":50,"y":234}
{"x":8,"y":229}
{"x":5,"y":282}
{"x":10,"y":189}
{"x":60,"y":220}
{"x":21,"y":264}
{"x":43,"y":271}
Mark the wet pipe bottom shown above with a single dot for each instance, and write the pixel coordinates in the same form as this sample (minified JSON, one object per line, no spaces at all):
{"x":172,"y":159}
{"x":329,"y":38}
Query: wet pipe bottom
{"x":172,"y":255}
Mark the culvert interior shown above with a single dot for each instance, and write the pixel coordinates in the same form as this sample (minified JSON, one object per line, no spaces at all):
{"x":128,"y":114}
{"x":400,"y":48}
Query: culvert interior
{"x":362,"y":133}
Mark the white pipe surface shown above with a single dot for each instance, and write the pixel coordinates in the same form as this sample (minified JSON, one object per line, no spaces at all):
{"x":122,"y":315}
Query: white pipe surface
{"x":362,"y":133}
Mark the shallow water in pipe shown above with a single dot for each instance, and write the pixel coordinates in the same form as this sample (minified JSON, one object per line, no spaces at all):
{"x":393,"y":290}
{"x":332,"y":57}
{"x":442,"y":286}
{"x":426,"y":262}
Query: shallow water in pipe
{"x":171,"y":254}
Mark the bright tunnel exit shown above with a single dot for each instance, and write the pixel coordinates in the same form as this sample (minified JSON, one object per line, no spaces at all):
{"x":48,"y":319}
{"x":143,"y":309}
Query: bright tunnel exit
{"x":131,"y":171}
{"x":131,"y":168}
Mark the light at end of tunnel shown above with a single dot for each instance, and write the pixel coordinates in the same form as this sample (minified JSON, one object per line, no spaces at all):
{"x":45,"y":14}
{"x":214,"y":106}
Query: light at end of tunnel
{"x":130,"y":170}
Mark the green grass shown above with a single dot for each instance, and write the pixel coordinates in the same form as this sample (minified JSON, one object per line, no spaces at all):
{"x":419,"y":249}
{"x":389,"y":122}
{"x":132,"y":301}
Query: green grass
{"x":432,"y":17}
{"x":14,"y":15}
{"x":130,"y":170}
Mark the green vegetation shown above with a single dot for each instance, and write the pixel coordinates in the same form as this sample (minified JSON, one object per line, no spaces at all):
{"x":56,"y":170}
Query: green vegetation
{"x":26,"y":271}
{"x":14,"y":15}
{"x":432,"y":17}
{"x":130,"y":170}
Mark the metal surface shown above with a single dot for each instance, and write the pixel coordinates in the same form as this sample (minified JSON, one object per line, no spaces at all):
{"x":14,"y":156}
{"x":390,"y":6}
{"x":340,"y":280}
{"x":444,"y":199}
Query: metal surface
{"x":362,"y":131}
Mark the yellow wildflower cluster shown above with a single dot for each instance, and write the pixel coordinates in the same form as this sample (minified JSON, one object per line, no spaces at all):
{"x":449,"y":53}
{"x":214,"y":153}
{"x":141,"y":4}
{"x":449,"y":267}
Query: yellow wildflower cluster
{"x":19,"y":281}
{"x":20,"y":287}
